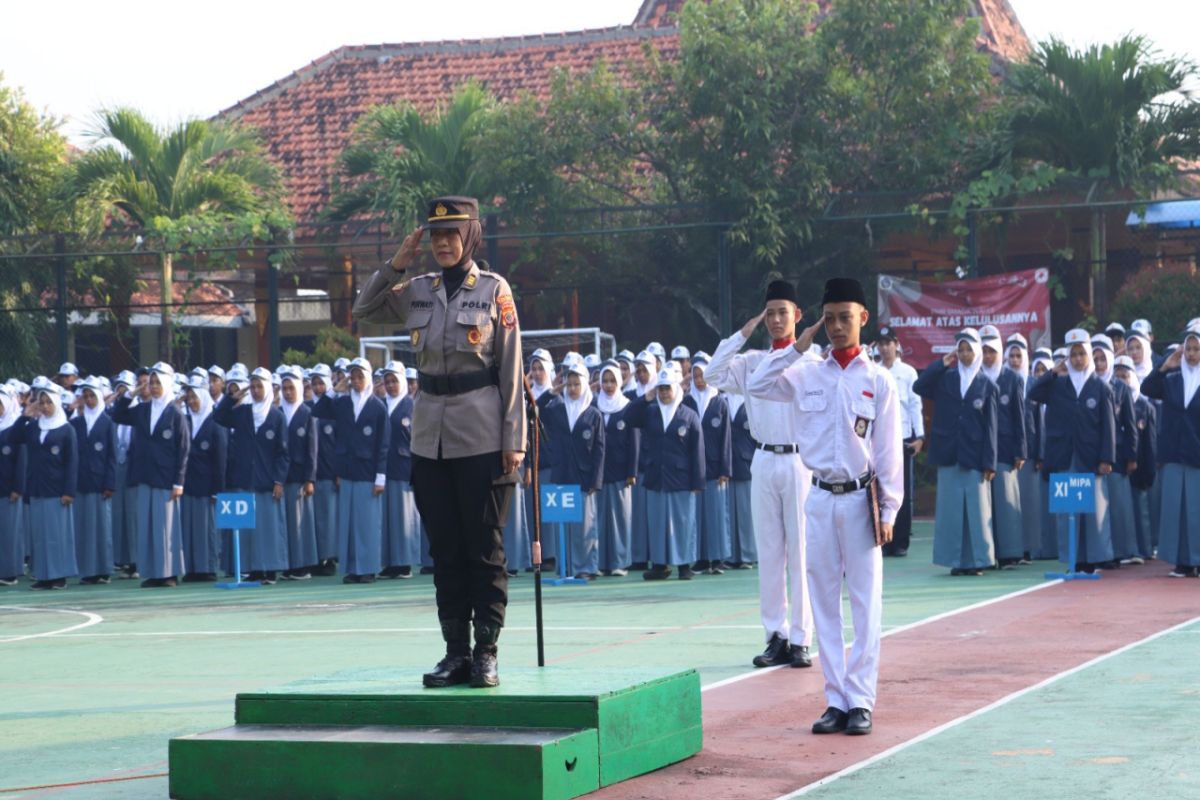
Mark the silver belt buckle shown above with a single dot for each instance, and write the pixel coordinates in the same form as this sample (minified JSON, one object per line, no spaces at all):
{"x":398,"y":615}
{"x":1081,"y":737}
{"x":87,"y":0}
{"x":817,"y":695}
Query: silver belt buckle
{"x":838,"y":488}
{"x":780,"y":449}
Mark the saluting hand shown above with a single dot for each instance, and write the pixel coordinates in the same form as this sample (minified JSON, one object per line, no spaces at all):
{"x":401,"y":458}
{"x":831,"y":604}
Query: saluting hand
{"x":807,"y":336}
{"x":751,"y":324}
{"x":410,"y":248}
{"x":1173,"y":361}
{"x":1061,"y":368}
{"x":342,"y":386}
{"x":949,"y":359}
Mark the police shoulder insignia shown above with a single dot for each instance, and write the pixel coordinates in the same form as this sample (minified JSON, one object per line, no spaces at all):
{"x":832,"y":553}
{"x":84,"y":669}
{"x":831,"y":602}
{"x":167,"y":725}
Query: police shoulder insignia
{"x":507,"y":310}
{"x":437,"y":281}
{"x":470,"y":282}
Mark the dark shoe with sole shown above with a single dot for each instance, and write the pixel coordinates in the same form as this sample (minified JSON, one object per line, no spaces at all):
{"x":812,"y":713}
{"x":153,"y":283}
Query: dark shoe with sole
{"x":349,"y":579}
{"x":832,"y":721}
{"x":859,"y":722}
{"x":484,"y":669}
{"x":657,"y":574}
{"x":404,"y":573}
{"x":776,"y":654}
{"x":455,"y":668}
{"x":686,"y":573}
{"x":800,"y":656}
{"x":426,"y":570}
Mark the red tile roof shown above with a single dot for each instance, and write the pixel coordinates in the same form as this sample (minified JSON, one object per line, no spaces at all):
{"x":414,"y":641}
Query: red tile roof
{"x":307,"y":117}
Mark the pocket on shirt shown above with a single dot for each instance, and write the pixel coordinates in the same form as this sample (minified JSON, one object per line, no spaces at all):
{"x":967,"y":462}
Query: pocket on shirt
{"x":813,"y":404}
{"x":474,"y":330}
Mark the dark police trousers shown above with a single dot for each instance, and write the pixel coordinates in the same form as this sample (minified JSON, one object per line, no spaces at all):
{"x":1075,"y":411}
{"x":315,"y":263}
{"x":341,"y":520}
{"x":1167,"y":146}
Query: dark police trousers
{"x":902,"y":530}
{"x":464,"y":512}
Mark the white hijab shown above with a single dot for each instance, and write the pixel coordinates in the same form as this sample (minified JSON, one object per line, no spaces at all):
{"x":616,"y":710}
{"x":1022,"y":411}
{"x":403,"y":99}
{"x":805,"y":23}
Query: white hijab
{"x":1023,"y":372}
{"x":576,"y":407}
{"x":702,"y":398}
{"x":12,"y":409}
{"x":55,"y":420}
{"x":1079,"y":377}
{"x":90,"y":415}
{"x":1191,"y":375}
{"x":289,"y":409}
{"x":674,"y":379}
{"x":993,"y":373}
{"x":259,"y":409}
{"x":1108,"y":374}
{"x":1146,"y":365}
{"x":610,"y":404}
{"x":206,"y":405}
{"x":966,"y":375}
{"x":359,"y":399}
{"x":547,"y":384}
{"x":159,"y":404}
{"x":392,"y":402}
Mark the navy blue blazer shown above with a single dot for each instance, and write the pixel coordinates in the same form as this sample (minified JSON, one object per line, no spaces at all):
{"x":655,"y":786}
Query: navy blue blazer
{"x":673,"y":460}
{"x":399,"y":461}
{"x":1079,"y":428}
{"x":1012,"y":437}
{"x":580,"y":453}
{"x":1127,"y":434}
{"x":12,"y":459}
{"x":545,"y":451}
{"x":53,"y":464}
{"x":207,"y":460}
{"x":1180,"y":442}
{"x":162,"y":453}
{"x":302,"y":446}
{"x":635,"y":400}
{"x":743,"y":445}
{"x":361,"y":445}
{"x":718,"y":437}
{"x":326,"y":446}
{"x":622,"y":447}
{"x":1145,"y":419}
{"x":258,"y":459}
{"x":97,"y":454}
{"x":964,"y":430}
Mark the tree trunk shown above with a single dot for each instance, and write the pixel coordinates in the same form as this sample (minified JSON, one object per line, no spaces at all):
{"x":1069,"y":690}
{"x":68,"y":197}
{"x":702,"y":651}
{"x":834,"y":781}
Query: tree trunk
{"x":166,"y":333}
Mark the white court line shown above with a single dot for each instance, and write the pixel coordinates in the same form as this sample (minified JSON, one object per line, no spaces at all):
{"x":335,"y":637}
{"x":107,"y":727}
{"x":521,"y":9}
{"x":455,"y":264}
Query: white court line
{"x":899,"y":629}
{"x":850,"y":770}
{"x":90,"y":620}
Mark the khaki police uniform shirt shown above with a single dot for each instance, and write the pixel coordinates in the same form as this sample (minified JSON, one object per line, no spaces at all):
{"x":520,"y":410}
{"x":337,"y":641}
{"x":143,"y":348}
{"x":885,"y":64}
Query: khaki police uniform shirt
{"x":476,"y":330}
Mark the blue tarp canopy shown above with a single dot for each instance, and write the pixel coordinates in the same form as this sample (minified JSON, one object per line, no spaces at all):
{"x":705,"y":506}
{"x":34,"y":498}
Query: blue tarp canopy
{"x":1173,"y":214}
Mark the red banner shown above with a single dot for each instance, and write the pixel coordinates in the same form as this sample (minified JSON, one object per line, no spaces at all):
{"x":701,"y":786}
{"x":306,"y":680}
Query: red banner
{"x":926,"y":315}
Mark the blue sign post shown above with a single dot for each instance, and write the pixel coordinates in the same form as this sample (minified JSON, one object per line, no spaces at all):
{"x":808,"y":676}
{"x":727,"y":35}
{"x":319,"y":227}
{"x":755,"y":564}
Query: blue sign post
{"x":1072,"y":493}
{"x":235,"y":512}
{"x":562,"y":504}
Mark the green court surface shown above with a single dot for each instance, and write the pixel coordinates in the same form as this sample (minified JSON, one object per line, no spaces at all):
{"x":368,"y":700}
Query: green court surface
{"x":100,"y":702}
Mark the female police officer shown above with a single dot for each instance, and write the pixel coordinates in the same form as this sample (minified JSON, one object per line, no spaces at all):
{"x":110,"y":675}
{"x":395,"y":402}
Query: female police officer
{"x":468,"y":425}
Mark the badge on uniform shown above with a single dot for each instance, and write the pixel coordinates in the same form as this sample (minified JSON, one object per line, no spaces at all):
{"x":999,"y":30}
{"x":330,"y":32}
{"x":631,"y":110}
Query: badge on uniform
{"x":7,"y":450}
{"x":682,"y":432}
{"x":587,"y":435}
{"x":1091,"y":402}
{"x":302,"y":432}
{"x":1003,"y":399}
{"x":99,"y":447}
{"x":416,"y":338}
{"x":861,"y":424}
{"x":367,"y":430}
{"x":474,"y":336}
{"x":405,"y":421}
{"x":167,"y":433}
{"x":437,"y":281}
{"x":54,"y":450}
{"x":270,"y":434}
{"x":978,"y":404}
{"x":508,"y":311}
{"x":204,"y":445}
{"x":716,"y":423}
{"x":620,"y":427}
{"x":328,"y":429}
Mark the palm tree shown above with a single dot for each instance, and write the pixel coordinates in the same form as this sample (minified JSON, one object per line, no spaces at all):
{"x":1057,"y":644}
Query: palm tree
{"x":194,"y":168}
{"x":1117,"y":115}
{"x":400,"y":158}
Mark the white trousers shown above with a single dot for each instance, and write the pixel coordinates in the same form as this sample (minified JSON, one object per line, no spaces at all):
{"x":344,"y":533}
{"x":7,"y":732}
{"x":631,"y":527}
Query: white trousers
{"x":841,"y":542}
{"x":778,"y":487}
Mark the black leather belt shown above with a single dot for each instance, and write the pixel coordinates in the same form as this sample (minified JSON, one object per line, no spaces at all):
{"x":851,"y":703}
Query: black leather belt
{"x":862,"y":482}
{"x":457,"y":384}
{"x":779,"y":449}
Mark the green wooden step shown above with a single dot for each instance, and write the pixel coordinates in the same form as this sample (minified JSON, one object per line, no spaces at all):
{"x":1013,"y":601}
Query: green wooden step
{"x":645,"y":718}
{"x":371,"y":761}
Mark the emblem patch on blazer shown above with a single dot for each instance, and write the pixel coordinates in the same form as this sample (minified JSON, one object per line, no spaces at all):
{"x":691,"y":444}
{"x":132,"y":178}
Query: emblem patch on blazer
{"x":204,"y":445}
{"x":302,"y":432}
{"x":99,"y":447}
{"x":474,"y":336}
{"x":168,"y":433}
{"x":1141,"y":427}
{"x":270,"y":434}
{"x":978,"y":404}
{"x":54,"y":450}
{"x":716,"y":423}
{"x":367,"y":430}
{"x":1091,"y":402}
{"x":7,"y":450}
{"x":1003,"y":399}
{"x":329,"y":429}
{"x":682,"y":432}
{"x":861,"y":424}
{"x":405,"y":421}
{"x":587,"y":435}
{"x":746,"y":425}
{"x":620,"y":427}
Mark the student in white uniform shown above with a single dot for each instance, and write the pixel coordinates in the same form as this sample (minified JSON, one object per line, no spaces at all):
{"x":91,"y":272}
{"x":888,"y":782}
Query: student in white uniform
{"x":779,"y":484}
{"x":912,"y":425}
{"x":849,"y":418}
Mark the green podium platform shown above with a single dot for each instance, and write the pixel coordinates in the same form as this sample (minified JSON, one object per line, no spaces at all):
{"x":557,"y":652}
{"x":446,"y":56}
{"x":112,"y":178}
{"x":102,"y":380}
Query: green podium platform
{"x":550,"y":733}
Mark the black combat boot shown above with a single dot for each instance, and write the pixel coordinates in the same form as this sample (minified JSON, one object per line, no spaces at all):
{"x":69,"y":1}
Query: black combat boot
{"x":484,"y":672}
{"x":455,"y":668}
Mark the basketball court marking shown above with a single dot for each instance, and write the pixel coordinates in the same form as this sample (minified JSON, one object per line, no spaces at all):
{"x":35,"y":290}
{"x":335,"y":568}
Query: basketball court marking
{"x":90,"y":619}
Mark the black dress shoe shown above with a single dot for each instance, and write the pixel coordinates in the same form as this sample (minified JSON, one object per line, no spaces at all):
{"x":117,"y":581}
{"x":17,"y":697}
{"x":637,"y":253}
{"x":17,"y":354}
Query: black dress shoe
{"x":657,"y":574}
{"x":484,"y":671}
{"x":776,"y":654}
{"x":800,"y":656}
{"x":832,"y":721}
{"x":349,"y":579}
{"x":686,"y":573}
{"x":859,"y":722}
{"x":453,"y":670}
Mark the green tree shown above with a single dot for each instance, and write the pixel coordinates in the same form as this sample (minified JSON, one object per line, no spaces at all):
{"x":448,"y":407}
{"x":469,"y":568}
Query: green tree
{"x":1119,"y":115}
{"x":33,"y":158}
{"x":399,"y":158}
{"x":331,"y":343}
{"x":192,"y":183}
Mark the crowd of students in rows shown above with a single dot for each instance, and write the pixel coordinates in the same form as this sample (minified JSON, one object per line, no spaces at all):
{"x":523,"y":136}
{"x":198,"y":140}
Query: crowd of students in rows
{"x":1004,"y":420}
{"x":119,"y":478}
